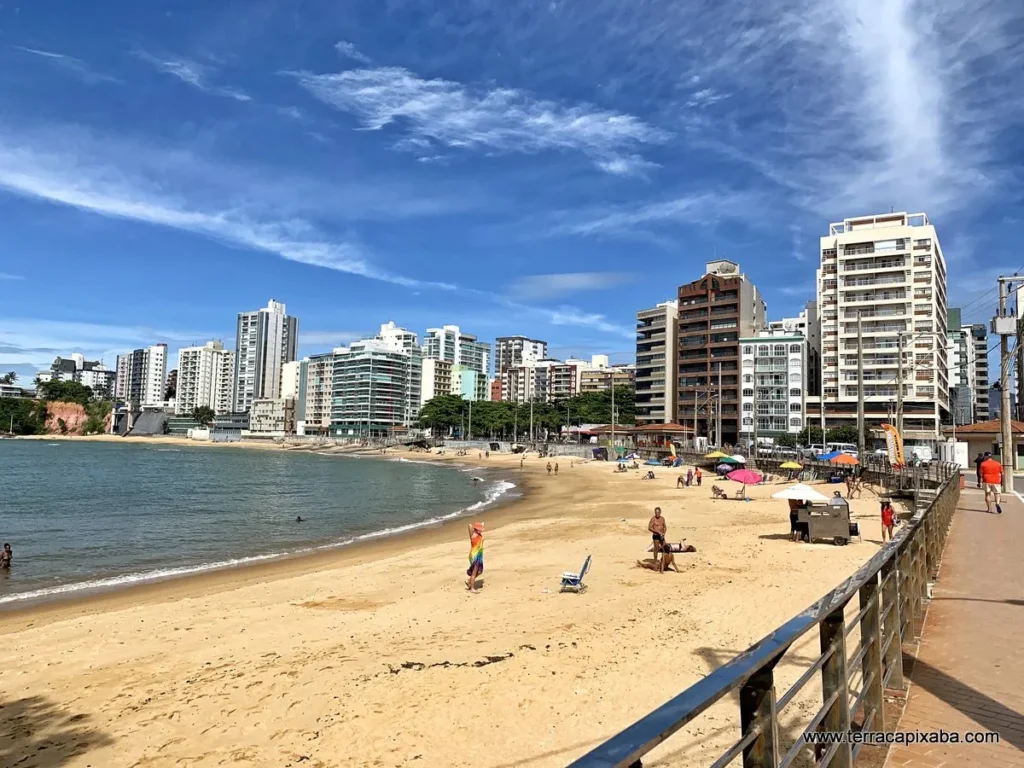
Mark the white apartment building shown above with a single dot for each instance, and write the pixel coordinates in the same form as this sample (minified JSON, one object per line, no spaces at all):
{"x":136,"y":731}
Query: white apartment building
{"x":91,"y":374}
{"x":889,"y":271}
{"x":510,"y":351}
{"x":774,"y":370}
{"x":142,"y":376}
{"x":205,"y":378}
{"x":450,"y":344}
{"x":657,"y":355}
{"x":290,"y":379}
{"x":266,"y":339}
{"x":808,"y":325}
{"x":962,"y":370}
{"x":271,"y":417}
{"x":979,"y":338}
{"x":603,"y":379}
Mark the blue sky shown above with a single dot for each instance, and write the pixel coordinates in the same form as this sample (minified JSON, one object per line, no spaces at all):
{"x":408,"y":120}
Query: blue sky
{"x":544,"y":168}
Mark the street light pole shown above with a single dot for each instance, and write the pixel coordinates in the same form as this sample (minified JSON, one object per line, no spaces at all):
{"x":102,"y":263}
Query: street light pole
{"x":860,"y":389}
{"x":1006,"y":436}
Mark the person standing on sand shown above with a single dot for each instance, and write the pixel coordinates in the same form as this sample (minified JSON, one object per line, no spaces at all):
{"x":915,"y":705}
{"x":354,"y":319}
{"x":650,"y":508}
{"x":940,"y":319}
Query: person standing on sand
{"x":549,"y":467}
{"x":556,"y":469}
{"x":5,"y":557}
{"x":696,"y":475}
{"x":658,"y":528}
{"x":476,"y":555}
{"x":689,"y":478}
{"x":887,"y":520}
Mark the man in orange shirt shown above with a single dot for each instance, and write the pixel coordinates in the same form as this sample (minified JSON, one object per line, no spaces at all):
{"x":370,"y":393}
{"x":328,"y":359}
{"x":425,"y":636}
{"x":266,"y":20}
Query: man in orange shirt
{"x":991,"y":472}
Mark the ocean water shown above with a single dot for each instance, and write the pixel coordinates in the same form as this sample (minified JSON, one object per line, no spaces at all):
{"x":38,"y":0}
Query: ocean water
{"x":83,"y":516}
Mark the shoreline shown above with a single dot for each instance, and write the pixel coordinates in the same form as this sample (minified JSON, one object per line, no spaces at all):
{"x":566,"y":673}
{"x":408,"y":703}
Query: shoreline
{"x":282,"y":564}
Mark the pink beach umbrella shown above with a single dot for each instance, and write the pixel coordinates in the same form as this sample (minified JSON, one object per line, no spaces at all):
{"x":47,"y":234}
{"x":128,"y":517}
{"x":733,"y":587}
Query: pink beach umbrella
{"x":745,"y":476}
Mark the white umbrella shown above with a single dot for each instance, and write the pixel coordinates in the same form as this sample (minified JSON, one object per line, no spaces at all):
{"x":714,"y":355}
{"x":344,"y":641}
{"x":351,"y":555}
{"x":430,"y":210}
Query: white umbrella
{"x":800,"y":492}
{"x":736,"y":457}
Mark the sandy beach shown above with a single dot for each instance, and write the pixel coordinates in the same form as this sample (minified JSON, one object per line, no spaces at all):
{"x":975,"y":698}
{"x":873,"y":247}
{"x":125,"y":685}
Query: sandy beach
{"x":378,"y":656}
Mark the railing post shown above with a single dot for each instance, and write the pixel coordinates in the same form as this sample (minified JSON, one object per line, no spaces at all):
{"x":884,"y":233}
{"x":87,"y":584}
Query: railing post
{"x":922,"y":567}
{"x":871,"y":666}
{"x":833,"y":681}
{"x":757,"y":706}
{"x":906,"y":589}
{"x":891,"y":626}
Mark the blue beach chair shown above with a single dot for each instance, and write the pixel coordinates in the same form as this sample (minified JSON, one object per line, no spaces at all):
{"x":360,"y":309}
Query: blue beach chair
{"x":573,"y":582}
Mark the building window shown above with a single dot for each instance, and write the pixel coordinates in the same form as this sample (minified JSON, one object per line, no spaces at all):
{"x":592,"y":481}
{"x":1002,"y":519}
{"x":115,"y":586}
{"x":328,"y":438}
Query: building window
{"x":794,"y":378}
{"x":748,"y":406}
{"x":795,"y":392}
{"x":748,"y":379}
{"x":794,"y":348}
{"x":748,"y":350}
{"x":748,"y":421}
{"x":794,"y":407}
{"x":748,"y":392}
{"x":780,"y":350}
{"x":762,"y":350}
{"x":794,"y":422}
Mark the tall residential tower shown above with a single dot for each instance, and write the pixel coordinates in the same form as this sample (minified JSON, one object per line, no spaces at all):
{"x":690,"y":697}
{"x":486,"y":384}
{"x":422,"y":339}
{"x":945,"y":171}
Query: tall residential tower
{"x":266,"y":340}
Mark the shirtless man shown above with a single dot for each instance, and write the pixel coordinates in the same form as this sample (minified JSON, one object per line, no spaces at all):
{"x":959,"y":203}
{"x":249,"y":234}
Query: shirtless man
{"x":658,"y":527}
{"x":5,"y":557}
{"x":667,"y":560}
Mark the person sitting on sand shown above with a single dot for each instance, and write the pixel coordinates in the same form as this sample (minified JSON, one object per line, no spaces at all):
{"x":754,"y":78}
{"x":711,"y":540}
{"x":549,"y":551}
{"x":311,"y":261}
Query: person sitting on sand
{"x":649,"y":475}
{"x":476,"y":555}
{"x":660,"y":564}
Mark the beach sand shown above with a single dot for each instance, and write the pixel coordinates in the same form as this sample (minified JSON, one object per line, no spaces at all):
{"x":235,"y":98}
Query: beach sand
{"x":378,"y":656}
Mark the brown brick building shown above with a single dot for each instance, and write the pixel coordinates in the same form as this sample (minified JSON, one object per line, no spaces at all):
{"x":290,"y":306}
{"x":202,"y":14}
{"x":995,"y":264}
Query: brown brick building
{"x":715,"y":311}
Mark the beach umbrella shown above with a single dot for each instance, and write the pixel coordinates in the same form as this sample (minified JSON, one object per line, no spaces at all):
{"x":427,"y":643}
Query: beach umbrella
{"x":738,"y":459}
{"x":716,"y":455}
{"x":727,"y":460}
{"x":800,"y":492}
{"x":621,"y":460}
{"x":828,"y":456}
{"x":844,"y":458}
{"x":790,"y":465}
{"x":745,"y":476}
{"x":726,"y":467}
{"x":653,"y":463}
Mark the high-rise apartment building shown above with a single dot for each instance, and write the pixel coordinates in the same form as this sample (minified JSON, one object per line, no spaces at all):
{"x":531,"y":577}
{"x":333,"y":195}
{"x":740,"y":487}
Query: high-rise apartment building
{"x":774,"y":365}
{"x":315,"y":394}
{"x":960,"y":351}
{"x":89,"y":373}
{"x":142,"y":376}
{"x":889,"y":272}
{"x":979,"y":337}
{"x":808,"y":325}
{"x":376,"y":384}
{"x":205,"y":378}
{"x":436,"y":380}
{"x":603,"y":379}
{"x":715,"y":311}
{"x":510,"y":351}
{"x":656,"y":363}
{"x":266,"y":340}
{"x":450,"y":344}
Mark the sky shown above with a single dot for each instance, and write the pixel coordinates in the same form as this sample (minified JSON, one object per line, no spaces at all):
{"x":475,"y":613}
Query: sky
{"x":544,"y":168}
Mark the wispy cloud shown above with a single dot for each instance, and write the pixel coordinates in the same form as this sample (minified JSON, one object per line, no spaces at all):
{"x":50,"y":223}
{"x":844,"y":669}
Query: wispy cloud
{"x":455,"y":115}
{"x":193,"y":73}
{"x":641,"y":220}
{"x":797,"y":235}
{"x":349,"y":50}
{"x":70,"y":65}
{"x":9,"y":276}
{"x":550,"y":286}
{"x":79,"y":180}
{"x":330,"y":338}
{"x":807,"y":290}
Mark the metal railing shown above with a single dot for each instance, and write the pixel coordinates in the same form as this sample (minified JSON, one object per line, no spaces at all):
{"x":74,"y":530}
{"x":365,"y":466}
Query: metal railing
{"x":860,"y":657}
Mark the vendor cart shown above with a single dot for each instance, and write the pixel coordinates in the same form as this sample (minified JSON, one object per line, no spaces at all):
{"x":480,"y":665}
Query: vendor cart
{"x":828,"y":521}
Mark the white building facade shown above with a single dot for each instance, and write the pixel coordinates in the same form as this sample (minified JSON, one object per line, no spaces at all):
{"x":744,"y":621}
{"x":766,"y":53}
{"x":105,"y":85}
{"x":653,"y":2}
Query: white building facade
{"x":889,"y":272}
{"x":142,"y":376}
{"x":774,"y":371}
{"x":657,"y":363}
{"x":450,"y":344}
{"x":266,"y":339}
{"x":205,"y":378}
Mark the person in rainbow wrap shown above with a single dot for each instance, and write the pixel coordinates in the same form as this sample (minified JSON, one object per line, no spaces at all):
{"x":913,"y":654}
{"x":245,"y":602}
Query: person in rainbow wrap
{"x":476,"y":555}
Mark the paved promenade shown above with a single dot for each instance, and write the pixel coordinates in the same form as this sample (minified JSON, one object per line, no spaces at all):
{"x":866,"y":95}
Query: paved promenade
{"x":969,"y":675}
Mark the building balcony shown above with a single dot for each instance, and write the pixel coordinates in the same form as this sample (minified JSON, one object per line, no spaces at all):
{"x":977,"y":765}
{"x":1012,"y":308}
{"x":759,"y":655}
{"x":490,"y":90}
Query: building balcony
{"x":874,"y":265}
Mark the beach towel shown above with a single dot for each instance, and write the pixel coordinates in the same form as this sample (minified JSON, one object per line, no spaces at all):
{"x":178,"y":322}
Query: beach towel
{"x":476,"y":553}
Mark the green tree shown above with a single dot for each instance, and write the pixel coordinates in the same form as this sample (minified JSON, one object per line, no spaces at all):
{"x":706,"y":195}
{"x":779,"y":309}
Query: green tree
{"x":786,"y":440}
{"x":9,"y":378}
{"x":842,"y":434}
{"x":22,"y":416}
{"x":203,"y":415}
{"x":65,"y":392}
{"x":96,"y":417}
{"x":810,"y":436}
{"x":441,"y":413}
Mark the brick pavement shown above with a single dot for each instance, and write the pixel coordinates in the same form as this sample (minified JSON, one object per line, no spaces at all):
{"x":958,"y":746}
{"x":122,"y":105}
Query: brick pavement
{"x":969,"y":673}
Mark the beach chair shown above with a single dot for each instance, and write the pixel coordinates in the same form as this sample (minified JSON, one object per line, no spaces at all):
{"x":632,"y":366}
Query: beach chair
{"x":573,"y":582}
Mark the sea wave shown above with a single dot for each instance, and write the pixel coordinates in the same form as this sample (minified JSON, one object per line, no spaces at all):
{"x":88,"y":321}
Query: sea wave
{"x":491,"y":496}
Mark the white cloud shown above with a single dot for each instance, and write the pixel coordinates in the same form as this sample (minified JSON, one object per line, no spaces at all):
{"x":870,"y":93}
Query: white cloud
{"x":192,"y":73}
{"x":9,"y":276}
{"x":349,"y":50}
{"x":455,"y":115}
{"x":330,"y":338}
{"x":80,"y":180}
{"x":548,"y":286}
{"x":75,"y":67}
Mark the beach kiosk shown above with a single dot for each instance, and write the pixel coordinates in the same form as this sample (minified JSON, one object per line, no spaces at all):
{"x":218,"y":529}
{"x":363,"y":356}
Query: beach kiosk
{"x":829,"y":521}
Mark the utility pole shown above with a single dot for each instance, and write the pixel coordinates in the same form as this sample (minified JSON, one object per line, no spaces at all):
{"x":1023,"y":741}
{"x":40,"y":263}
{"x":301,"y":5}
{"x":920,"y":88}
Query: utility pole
{"x":694,"y":418}
{"x":1006,"y":437}
{"x":718,"y":423}
{"x":899,"y":382}
{"x":860,"y":389}
{"x":753,"y":448}
{"x":613,"y":421}
{"x":470,"y":419}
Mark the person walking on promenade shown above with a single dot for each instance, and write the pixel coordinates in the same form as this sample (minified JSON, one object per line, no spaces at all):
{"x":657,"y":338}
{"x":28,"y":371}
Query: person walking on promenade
{"x":476,"y":556}
{"x":977,"y":466}
{"x":992,"y":479}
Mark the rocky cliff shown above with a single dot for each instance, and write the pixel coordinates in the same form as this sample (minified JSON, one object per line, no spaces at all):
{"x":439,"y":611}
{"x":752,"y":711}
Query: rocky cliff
{"x":72,"y":414}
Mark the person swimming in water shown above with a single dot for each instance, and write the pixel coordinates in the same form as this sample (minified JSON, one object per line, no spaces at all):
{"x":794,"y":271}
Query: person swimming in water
{"x":299,"y":519}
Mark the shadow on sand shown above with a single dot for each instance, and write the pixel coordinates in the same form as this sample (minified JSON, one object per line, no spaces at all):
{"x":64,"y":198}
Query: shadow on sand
{"x":40,"y":733}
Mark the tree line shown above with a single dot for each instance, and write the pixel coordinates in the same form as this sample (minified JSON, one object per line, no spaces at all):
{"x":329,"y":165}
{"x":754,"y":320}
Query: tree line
{"x":501,"y":420}
{"x":24,"y":416}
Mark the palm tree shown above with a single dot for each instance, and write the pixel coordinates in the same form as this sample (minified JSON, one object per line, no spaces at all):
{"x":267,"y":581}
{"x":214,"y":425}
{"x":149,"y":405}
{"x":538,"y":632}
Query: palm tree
{"x":10,"y":378}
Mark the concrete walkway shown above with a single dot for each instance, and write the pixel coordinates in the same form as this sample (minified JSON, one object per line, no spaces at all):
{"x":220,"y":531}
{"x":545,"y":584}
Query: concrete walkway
{"x":969,"y":674}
